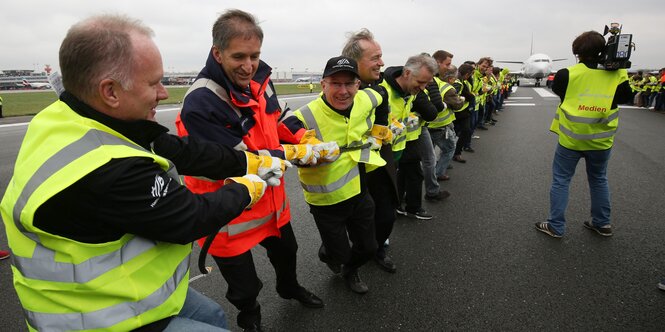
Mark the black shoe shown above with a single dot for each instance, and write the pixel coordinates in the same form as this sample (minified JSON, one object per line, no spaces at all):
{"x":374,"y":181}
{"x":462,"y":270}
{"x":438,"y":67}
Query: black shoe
{"x":400,"y":210}
{"x":604,"y":231}
{"x":544,"y":227}
{"x":469,"y":150}
{"x":256,"y":328}
{"x":250,"y":319}
{"x":336,"y":268}
{"x":421,"y":214}
{"x":355,"y":284}
{"x":482,"y":127}
{"x":305,"y":297}
{"x":441,"y":195}
{"x":386,"y":263}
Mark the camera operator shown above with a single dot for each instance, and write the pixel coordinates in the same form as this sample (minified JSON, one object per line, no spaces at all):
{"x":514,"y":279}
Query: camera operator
{"x":586,"y":121}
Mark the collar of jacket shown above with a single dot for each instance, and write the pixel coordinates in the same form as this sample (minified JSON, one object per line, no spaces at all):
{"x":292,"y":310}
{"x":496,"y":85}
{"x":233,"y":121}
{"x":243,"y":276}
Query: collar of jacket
{"x":390,"y":75}
{"x":240,"y":95}
{"x":141,"y":132}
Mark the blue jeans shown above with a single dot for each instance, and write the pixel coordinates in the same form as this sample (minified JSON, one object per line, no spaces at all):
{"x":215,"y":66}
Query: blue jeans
{"x":428,"y":162}
{"x":198,"y":314}
{"x":447,"y":146}
{"x":563,"y":169}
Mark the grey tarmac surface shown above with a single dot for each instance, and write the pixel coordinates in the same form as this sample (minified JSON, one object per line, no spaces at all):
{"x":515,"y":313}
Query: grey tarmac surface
{"x":479,"y":264}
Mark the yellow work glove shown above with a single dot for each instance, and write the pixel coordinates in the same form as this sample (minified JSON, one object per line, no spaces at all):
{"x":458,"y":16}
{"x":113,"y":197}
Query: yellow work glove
{"x":300,"y":154}
{"x":255,"y":185}
{"x":328,"y":151}
{"x":396,"y":127}
{"x":379,"y":135}
{"x":310,"y":138}
{"x":268,"y":168}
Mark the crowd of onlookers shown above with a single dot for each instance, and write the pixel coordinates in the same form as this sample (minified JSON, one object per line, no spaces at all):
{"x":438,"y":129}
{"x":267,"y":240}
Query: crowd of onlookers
{"x":648,"y":90}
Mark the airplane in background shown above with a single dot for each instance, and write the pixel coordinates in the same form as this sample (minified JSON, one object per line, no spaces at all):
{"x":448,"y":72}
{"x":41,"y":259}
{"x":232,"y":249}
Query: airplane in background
{"x":34,"y":85}
{"x":536,"y":66}
{"x":303,"y":79}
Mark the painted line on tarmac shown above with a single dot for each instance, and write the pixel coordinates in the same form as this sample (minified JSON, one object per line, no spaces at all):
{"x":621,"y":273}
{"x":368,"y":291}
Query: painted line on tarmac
{"x":544,"y":93}
{"x":519,"y":104}
{"x":511,"y":98}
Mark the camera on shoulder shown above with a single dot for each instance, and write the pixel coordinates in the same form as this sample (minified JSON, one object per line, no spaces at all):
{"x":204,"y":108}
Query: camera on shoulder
{"x":618,"y":48}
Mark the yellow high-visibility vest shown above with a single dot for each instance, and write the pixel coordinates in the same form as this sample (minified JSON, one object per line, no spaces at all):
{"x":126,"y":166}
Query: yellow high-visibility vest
{"x":585,"y":119}
{"x":446,"y":116}
{"x":65,"y":284}
{"x":331,"y":183}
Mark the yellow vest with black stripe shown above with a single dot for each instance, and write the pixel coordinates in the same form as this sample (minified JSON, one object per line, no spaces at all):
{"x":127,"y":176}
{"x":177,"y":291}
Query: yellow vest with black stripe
{"x":64,"y":284}
{"x":400,"y":108}
{"x":338,"y":181}
{"x":585,"y":119}
{"x":446,"y":116}
{"x":463,"y":84}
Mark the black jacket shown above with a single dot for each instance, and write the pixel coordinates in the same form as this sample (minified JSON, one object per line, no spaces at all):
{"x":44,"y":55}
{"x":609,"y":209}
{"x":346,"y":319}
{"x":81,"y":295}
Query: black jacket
{"x":421,"y":103}
{"x":116,"y":198}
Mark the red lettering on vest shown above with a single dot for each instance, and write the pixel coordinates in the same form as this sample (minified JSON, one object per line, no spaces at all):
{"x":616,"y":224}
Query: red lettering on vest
{"x":592,"y":108}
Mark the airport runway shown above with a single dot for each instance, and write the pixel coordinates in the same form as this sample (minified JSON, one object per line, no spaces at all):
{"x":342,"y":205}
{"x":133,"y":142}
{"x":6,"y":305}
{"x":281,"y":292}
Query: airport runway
{"x":479,"y":264}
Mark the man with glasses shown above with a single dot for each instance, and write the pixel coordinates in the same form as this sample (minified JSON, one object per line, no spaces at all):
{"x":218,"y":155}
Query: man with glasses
{"x":337,"y":192}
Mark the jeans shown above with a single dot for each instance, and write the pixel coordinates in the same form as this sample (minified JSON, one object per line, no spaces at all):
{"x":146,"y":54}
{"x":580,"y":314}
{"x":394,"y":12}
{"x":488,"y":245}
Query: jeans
{"x":447,"y":145}
{"x":428,"y":159}
{"x":563,"y":169}
{"x":198,"y":314}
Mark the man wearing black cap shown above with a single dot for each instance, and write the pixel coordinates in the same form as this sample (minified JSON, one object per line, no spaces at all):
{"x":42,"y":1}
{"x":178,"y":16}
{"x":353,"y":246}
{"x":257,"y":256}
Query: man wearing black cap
{"x":337,"y":192}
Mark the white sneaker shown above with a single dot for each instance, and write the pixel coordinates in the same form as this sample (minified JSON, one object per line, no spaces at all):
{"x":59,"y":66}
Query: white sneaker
{"x":475,"y":136}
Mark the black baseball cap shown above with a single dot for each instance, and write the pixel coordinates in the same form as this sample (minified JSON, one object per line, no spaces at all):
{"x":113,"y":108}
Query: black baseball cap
{"x":340,"y":63}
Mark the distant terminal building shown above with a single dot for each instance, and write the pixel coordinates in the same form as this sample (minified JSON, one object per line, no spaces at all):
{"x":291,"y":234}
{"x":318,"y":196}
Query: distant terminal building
{"x":178,"y":78}
{"x":12,"y":79}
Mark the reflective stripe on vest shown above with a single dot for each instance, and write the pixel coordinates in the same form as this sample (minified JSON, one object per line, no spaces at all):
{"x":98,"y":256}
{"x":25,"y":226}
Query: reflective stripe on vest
{"x":399,"y":110}
{"x":38,"y":255}
{"x":466,"y":102}
{"x":446,"y":116}
{"x":252,"y":226}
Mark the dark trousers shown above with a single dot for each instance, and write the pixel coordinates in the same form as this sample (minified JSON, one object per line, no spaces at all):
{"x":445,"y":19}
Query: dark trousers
{"x":352,"y":219}
{"x":240,"y":273}
{"x":463,"y":131}
{"x":410,"y":178}
{"x":382,"y":189}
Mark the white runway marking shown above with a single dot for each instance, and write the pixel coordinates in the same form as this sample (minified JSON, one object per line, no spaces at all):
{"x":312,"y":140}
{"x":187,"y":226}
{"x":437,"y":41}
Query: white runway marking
{"x":511,"y":98}
{"x":519,"y":104}
{"x":544,"y":92}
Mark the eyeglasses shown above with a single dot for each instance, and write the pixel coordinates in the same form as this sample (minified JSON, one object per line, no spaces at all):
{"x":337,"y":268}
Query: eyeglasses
{"x":347,"y":85}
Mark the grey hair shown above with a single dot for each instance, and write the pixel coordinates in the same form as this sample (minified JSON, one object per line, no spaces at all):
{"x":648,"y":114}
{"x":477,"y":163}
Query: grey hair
{"x":232,"y":24}
{"x":416,"y":62}
{"x":96,"y":49}
{"x":451,"y":72}
{"x":352,"y":47}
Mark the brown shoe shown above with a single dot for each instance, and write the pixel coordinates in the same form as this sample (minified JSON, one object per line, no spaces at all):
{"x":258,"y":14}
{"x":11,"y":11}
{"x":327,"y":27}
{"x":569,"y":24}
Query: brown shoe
{"x":458,"y":158}
{"x":443,"y":178}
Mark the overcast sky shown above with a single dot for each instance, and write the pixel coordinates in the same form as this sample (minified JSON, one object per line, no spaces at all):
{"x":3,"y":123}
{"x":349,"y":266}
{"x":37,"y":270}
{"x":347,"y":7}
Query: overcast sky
{"x":303,"y":34}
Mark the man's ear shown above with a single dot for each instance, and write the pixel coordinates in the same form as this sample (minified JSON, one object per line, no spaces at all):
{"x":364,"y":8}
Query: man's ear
{"x":107,"y":90}
{"x":217,"y":54}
